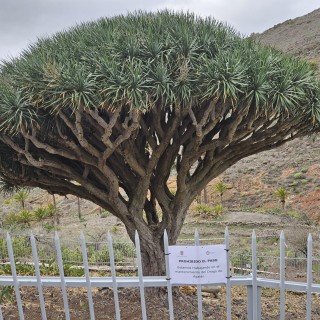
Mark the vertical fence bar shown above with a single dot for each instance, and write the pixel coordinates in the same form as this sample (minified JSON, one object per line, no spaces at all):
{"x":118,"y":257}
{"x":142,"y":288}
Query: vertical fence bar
{"x":282,"y":276}
{"x":140,"y":274}
{"x":254,"y":276}
{"x":199,"y":287}
{"x":169,"y":287}
{"x":15,"y":278}
{"x":38,"y":275}
{"x":1,"y":316}
{"x":228,"y":285}
{"x":62,"y":279}
{"x":87,"y":274}
{"x":114,"y":278}
{"x":309,"y":277}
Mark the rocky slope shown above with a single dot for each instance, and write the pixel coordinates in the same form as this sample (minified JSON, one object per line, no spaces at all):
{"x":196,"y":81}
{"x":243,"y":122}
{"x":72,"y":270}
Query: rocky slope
{"x":253,"y":180}
{"x":300,"y":36}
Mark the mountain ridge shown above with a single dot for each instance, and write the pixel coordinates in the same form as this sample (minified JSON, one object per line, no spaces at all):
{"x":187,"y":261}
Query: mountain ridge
{"x":299,"y":36}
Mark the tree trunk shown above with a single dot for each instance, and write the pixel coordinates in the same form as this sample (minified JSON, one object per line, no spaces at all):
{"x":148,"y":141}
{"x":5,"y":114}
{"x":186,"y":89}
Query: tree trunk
{"x":152,"y":243}
{"x":56,"y":213}
{"x":153,"y":259}
{"x":205,"y":195}
{"x":79,"y":208}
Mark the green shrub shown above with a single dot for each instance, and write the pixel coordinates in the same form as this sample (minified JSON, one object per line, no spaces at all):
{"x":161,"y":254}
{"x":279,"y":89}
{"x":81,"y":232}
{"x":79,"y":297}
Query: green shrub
{"x":204,"y":208}
{"x":10,"y":220}
{"x":21,"y":196}
{"x":20,"y":245}
{"x":40,"y":214}
{"x":72,"y":271}
{"x":25,"y":216}
{"x":218,"y":209}
{"x":72,"y":255}
{"x":220,"y":188}
{"x":6,"y":294}
{"x":114,"y":228}
{"x":48,"y":227}
{"x":282,"y":194}
{"x":51,"y":210}
{"x":294,"y":214}
{"x":298,"y":175}
{"x":105,"y":214}
{"x":209,"y":210}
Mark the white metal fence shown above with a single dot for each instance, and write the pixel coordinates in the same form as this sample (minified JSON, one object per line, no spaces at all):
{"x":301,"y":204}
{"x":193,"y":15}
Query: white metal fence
{"x":253,"y":282}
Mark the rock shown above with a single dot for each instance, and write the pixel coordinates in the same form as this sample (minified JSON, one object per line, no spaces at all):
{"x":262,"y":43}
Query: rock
{"x":188,"y":290}
{"x":213,"y":290}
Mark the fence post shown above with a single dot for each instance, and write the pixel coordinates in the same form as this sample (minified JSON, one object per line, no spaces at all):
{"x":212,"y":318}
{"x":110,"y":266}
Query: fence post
{"x":199,"y":287}
{"x":87,"y":274}
{"x":309,"y":277}
{"x":253,"y":292}
{"x":15,"y":278}
{"x":282,"y":276}
{"x":38,"y":275}
{"x":62,"y":279}
{"x":114,"y":279}
{"x":169,"y":287}
{"x":140,"y":274}
{"x":228,"y":285}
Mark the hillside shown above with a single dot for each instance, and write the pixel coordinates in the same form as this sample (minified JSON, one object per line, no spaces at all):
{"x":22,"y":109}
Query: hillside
{"x":296,"y":165}
{"x":300,"y":36}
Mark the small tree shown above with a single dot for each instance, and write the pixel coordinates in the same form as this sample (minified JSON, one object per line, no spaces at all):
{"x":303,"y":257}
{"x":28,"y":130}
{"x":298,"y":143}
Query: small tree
{"x":282,"y":194}
{"x":220,"y":188}
{"x":298,"y":238}
{"x":53,"y":212}
{"x":21,"y":196}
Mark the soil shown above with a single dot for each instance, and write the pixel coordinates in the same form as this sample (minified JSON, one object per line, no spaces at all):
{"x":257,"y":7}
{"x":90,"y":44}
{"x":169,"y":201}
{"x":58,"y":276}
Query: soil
{"x":185,"y":306}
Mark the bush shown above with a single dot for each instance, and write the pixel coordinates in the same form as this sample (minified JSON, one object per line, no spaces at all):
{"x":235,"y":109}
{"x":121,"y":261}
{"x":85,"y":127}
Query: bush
{"x":218,"y":209}
{"x":105,"y":214}
{"x":209,"y":210}
{"x":40,"y":214}
{"x":72,"y":255}
{"x":48,"y":227}
{"x":298,"y":175}
{"x":25,"y":216}
{"x":6,"y":294}
{"x":10,"y":220}
{"x":203,"y":209}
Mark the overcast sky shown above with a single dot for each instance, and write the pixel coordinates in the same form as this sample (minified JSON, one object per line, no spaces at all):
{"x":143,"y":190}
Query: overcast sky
{"x":23,"y":21}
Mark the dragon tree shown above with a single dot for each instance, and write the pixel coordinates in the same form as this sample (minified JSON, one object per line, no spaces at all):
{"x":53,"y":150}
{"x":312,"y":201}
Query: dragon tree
{"x":105,"y":110}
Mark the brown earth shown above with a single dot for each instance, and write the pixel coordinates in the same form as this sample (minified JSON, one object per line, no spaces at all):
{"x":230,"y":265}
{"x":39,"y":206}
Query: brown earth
{"x":185,"y":306}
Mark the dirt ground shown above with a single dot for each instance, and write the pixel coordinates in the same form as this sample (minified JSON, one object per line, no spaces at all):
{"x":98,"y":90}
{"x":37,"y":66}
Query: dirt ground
{"x":185,"y":306}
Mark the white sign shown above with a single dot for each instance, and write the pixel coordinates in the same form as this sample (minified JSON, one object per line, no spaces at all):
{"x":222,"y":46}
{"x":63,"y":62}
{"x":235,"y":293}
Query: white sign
{"x":198,"y":264}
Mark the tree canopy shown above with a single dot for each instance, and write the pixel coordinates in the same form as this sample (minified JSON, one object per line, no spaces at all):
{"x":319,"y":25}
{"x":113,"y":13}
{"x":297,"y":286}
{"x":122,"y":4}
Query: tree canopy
{"x":107,"y":108}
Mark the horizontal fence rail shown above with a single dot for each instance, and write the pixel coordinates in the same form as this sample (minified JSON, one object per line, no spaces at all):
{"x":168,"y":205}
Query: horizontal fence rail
{"x":254,"y":280}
